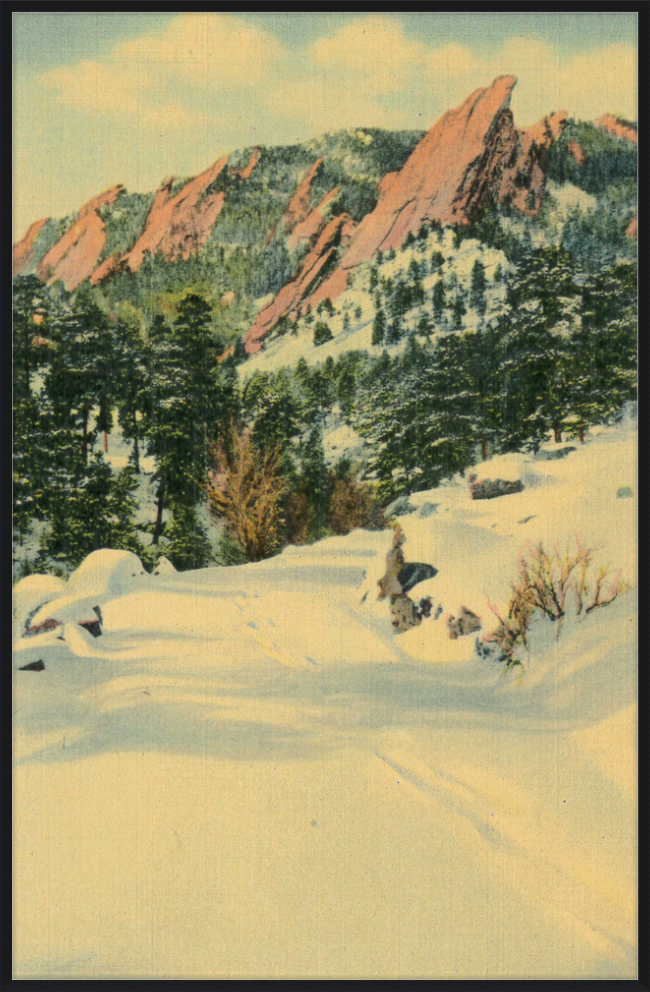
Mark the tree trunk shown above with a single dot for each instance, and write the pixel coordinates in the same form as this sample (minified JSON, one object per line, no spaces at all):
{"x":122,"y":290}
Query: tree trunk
{"x":105,"y":441}
{"x":136,"y":456}
{"x":159,"y":514}
{"x":581,"y":433}
{"x":27,"y":376}
{"x":484,"y":448}
{"x":557,"y":433}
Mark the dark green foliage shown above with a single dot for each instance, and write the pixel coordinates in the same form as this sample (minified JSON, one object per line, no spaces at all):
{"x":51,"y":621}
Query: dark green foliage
{"x":378,"y":328}
{"x":322,"y":333}
{"x":124,"y":221}
{"x":608,"y":158}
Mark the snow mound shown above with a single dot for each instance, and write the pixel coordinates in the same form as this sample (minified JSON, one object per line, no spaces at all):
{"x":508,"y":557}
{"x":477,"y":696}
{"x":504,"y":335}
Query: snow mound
{"x":106,"y":571}
{"x":30,"y":593}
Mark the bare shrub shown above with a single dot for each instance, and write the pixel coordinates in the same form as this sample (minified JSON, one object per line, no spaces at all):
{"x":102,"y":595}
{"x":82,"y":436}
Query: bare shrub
{"x":548,"y":584}
{"x":351,"y":505}
{"x":246,"y":488}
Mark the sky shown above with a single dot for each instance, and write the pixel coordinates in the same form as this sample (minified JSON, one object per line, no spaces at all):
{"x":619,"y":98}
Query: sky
{"x":101,"y":98}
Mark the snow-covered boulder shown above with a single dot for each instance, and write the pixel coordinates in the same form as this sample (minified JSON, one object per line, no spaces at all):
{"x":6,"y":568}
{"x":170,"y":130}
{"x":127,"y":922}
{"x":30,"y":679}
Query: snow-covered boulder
{"x":164,"y":567}
{"x":492,"y":488}
{"x":29,"y":594}
{"x":106,"y":571}
{"x":84,"y":611}
{"x":553,"y":454}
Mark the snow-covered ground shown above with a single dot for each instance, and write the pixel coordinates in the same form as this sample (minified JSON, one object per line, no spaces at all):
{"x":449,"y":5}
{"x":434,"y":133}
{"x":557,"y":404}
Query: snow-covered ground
{"x":358,"y":303}
{"x":250,"y":774}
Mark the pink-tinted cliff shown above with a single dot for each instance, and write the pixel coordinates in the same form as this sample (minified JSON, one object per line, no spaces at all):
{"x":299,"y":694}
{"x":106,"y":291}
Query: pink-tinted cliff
{"x":618,"y":127}
{"x":299,"y":205}
{"x":23,"y":251}
{"x":178,"y":225}
{"x":295,"y":292}
{"x":75,"y":255}
{"x":247,"y":171}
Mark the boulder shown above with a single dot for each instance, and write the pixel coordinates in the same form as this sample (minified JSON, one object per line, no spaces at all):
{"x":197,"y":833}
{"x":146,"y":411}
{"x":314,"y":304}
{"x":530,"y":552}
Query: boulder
{"x":106,"y":571}
{"x":29,"y":595}
{"x":492,"y":488}
{"x":465,"y":622}
{"x":413,"y":573}
{"x":404,"y":613}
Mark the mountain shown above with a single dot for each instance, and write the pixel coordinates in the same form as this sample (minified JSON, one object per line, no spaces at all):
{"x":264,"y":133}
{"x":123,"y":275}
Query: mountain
{"x":280,"y":230}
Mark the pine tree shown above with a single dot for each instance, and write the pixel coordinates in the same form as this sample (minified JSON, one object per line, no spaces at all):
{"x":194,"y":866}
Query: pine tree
{"x":322,"y":333}
{"x":378,"y":328}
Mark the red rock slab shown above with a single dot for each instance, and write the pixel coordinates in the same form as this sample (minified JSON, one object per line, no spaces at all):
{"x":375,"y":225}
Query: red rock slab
{"x":23,"y":249}
{"x":531,"y":158}
{"x":75,"y":255}
{"x":299,"y":205}
{"x":179,"y":225}
{"x":442,"y":175}
{"x":620,"y":129}
{"x":576,"y":152}
{"x":309,"y":228}
{"x":114,"y":263}
{"x":246,"y":172}
{"x":632,"y":228}
{"x":294,"y":292}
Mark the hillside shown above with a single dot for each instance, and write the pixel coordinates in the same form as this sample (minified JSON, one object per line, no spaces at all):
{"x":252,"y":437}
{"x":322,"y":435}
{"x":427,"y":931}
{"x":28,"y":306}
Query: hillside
{"x":235,"y":732}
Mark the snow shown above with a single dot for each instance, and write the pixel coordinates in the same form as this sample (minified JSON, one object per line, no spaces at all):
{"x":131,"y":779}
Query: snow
{"x":249,"y":773}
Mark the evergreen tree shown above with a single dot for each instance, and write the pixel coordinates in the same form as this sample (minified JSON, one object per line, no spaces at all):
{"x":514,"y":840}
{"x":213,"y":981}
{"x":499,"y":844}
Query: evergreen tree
{"x":478,"y":286}
{"x":378,"y":328}
{"x":439,"y":300}
{"x":322,"y":333}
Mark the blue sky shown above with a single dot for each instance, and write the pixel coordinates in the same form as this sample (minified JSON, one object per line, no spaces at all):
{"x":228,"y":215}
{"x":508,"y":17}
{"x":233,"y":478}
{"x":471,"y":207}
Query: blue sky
{"x":105,"y":97}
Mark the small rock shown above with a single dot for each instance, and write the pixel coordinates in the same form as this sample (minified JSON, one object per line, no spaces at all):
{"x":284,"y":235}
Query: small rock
{"x":428,"y":508}
{"x":465,"y":623}
{"x":492,"y":488}
{"x":414,"y":572}
{"x":34,"y":666}
{"x":40,"y":628}
{"x":624,"y":492}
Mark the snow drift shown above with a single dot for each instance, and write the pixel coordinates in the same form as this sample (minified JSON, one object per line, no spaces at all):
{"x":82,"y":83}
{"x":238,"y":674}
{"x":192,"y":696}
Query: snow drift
{"x":249,"y":773}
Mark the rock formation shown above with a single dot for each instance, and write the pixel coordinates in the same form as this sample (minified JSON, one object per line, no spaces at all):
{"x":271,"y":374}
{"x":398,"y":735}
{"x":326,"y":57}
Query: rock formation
{"x":618,"y":127}
{"x":299,"y":205}
{"x":632,"y":228}
{"x":24,"y":249}
{"x":74,"y":257}
{"x":179,"y":224}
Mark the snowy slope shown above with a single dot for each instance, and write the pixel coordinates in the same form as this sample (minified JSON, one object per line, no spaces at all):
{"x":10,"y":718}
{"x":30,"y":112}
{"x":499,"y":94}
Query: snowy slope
{"x":249,"y":773}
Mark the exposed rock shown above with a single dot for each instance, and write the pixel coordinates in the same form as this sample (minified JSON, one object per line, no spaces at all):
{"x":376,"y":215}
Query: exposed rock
{"x":413,"y":573}
{"x":113,"y":264}
{"x":308,"y":229}
{"x":40,"y":342}
{"x":553,"y":455}
{"x":404,"y":613}
{"x":40,"y":628}
{"x":75,"y":255}
{"x":389,"y":584}
{"x":34,"y":666}
{"x":178,"y":225}
{"x":299,"y":205}
{"x":521,"y":183}
{"x":293,"y":293}
{"x":464,"y":623}
{"x":492,"y":488}
{"x":428,"y":508}
{"x":246,"y":172}
{"x":632,"y":228}
{"x":400,"y":507}
{"x":576,"y":152}
{"x":624,"y":492}
{"x":228,"y":298}
{"x":618,"y":127}
{"x":28,"y":596}
{"x":446,"y":174}
{"x":23,"y":250}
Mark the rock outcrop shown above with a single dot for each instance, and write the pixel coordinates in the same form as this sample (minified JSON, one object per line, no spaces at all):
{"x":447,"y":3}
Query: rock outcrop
{"x":618,"y":127}
{"x":23,"y":251}
{"x":294,"y":293}
{"x":180,"y":223}
{"x":246,"y":172}
{"x":576,"y":152}
{"x":307,"y":230}
{"x":633,"y":227}
{"x":471,"y":152}
{"x":75,"y":255}
{"x":299,"y":205}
